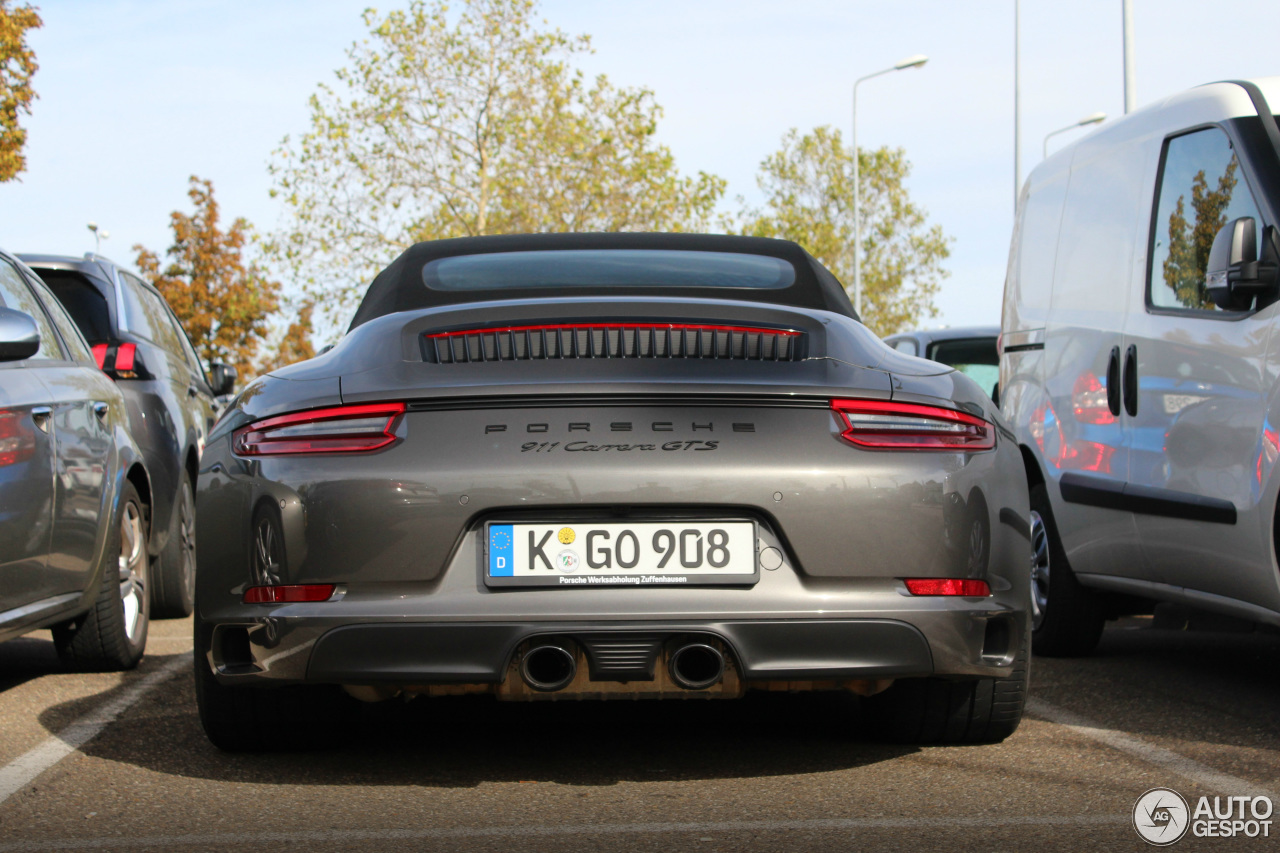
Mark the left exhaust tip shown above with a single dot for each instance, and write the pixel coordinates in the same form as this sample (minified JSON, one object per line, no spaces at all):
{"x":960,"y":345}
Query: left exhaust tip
{"x":549,"y":667}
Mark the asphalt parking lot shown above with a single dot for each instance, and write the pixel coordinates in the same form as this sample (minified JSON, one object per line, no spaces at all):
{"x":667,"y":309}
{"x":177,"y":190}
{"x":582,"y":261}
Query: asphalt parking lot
{"x":118,"y":762}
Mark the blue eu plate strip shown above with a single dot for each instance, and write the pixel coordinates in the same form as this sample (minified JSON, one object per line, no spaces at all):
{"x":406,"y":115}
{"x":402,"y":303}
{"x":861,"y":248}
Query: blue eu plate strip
{"x":500,"y":551}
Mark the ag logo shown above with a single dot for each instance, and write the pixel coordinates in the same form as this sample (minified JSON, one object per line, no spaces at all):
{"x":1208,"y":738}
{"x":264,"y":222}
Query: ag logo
{"x":567,"y":561}
{"x":1161,"y":816}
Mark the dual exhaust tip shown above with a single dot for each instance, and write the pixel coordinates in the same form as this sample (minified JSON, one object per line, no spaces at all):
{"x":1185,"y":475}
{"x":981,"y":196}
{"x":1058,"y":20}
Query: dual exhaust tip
{"x":548,"y":667}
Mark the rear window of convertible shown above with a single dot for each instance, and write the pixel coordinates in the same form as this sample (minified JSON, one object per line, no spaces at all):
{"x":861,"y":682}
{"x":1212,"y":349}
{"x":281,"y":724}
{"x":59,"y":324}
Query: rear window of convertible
{"x":603,"y":268}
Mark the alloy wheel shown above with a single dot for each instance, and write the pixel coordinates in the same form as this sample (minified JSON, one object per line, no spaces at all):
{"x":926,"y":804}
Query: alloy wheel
{"x":1039,"y":570}
{"x":133,"y":570}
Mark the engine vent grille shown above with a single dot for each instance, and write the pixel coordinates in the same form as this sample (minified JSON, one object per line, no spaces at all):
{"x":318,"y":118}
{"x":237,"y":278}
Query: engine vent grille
{"x":613,"y":340}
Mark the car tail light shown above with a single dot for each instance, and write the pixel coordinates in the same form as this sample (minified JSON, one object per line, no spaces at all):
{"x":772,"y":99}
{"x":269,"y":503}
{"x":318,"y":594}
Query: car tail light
{"x":100,"y":355}
{"x":17,"y":439}
{"x":1089,"y":401}
{"x":342,"y":429}
{"x":125,"y":354}
{"x":887,"y":425}
{"x":947,"y":586}
{"x":288,"y":594}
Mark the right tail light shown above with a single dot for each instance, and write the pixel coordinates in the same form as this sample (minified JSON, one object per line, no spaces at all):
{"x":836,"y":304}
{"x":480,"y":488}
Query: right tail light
{"x":888,"y":425}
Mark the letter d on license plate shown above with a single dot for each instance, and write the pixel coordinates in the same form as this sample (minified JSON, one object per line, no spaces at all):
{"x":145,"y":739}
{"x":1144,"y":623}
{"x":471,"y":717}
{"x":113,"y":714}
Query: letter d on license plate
{"x":651,"y":553}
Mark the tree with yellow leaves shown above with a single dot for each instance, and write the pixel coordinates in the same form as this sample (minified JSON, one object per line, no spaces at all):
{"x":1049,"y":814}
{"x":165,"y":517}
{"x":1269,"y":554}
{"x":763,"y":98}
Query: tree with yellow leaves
{"x":223,"y":302}
{"x":17,"y":67}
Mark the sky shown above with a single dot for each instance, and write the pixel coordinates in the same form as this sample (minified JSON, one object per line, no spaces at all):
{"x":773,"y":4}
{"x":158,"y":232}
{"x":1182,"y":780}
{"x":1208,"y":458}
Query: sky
{"x":135,"y":96}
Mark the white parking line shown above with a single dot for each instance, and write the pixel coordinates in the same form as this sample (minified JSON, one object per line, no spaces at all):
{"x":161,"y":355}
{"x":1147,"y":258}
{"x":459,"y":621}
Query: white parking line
{"x":347,"y":836}
{"x":1149,"y":752}
{"x":20,"y":772}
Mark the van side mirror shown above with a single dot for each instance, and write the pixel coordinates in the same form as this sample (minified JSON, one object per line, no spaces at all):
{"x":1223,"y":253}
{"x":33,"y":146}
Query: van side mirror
{"x":1235,"y":274}
{"x":222,"y":377}
{"x":19,"y":337}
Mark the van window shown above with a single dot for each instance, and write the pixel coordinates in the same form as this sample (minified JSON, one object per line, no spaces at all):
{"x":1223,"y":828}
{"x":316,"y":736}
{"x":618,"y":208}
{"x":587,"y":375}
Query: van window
{"x":906,"y":345}
{"x":84,"y":302}
{"x":1201,"y":189}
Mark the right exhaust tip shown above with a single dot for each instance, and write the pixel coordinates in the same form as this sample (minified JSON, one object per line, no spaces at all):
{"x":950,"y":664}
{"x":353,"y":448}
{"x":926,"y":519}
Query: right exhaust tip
{"x":549,"y":667}
{"x":696,"y":666}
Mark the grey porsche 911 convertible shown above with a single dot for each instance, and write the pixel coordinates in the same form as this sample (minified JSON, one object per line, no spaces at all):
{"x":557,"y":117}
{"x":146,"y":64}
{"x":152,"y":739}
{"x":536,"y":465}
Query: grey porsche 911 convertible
{"x":611,"y":466}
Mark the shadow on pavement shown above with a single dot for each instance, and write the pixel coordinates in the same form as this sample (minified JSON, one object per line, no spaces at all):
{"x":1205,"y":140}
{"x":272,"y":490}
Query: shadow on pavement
{"x":26,"y":658}
{"x":463,"y":742}
{"x":1213,"y":687}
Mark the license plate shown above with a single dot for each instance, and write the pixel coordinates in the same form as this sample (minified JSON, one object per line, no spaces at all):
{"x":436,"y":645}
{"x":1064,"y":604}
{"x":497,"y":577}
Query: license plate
{"x":675,"y":553}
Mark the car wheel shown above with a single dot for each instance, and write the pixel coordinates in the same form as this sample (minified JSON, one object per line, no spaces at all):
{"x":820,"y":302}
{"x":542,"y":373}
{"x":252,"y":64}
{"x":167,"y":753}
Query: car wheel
{"x":266,"y":719}
{"x":940,"y":710}
{"x":174,"y":582}
{"x":1067,"y":618}
{"x":113,"y":634}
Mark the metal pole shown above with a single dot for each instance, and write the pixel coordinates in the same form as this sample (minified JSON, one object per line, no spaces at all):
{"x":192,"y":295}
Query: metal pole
{"x":857,"y":237}
{"x":1130,"y":84}
{"x":1017,"y":112}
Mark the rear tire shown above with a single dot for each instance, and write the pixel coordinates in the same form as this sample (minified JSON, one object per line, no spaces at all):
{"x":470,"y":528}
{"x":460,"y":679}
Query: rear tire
{"x":1071,"y":617}
{"x":113,"y":634}
{"x":267,"y":719}
{"x":173,"y":586}
{"x":947,"y":711}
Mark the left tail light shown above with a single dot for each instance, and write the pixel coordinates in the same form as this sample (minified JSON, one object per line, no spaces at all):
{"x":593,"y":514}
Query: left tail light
{"x":887,"y":425}
{"x":342,"y":429}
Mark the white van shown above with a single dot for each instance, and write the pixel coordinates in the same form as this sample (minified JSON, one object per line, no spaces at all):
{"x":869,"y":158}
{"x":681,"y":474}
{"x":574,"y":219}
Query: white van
{"x":1147,"y":402}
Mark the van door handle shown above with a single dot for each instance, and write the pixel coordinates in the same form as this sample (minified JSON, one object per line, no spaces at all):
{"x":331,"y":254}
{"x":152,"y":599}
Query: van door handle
{"x":40,"y":416}
{"x":100,"y":409}
{"x":1113,"y":382}
{"x":1131,"y":380}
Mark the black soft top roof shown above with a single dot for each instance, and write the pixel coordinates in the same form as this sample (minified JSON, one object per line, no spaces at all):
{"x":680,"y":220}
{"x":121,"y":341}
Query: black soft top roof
{"x":400,"y":286}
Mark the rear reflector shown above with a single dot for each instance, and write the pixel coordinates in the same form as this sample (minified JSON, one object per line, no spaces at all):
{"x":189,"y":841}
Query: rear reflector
{"x":288,"y":594}
{"x":947,"y":586}
{"x":342,"y":429}
{"x":887,"y":425}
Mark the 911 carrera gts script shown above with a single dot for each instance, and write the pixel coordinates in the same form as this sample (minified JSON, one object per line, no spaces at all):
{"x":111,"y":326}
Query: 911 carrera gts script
{"x":588,"y":447}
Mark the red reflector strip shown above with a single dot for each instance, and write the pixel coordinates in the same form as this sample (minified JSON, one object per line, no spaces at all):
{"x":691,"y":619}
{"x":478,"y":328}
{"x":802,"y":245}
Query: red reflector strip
{"x":288,"y":594}
{"x":947,"y":586}
{"x":100,"y":355}
{"x":888,"y":425}
{"x":573,"y":327}
{"x":342,"y":429}
{"x":125,"y":355}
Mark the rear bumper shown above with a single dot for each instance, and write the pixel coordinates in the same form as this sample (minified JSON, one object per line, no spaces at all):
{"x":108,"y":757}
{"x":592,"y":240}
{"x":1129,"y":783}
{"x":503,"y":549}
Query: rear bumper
{"x":973,"y":641}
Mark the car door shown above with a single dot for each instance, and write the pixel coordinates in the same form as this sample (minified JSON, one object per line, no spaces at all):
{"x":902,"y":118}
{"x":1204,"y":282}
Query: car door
{"x":1199,"y":373}
{"x":81,"y":396}
{"x":27,"y":450}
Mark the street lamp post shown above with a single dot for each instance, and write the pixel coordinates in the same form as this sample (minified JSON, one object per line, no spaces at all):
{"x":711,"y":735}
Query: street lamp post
{"x":1095,"y":118}
{"x":910,"y":62}
{"x":98,"y":236}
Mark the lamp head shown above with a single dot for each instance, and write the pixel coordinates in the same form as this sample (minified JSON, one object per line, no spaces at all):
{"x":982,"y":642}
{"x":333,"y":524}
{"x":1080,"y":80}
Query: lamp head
{"x":1095,"y":118}
{"x":912,"y":62}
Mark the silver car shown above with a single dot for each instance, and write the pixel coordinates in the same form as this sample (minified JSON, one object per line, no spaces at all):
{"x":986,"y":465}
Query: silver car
{"x":610,"y":466}
{"x":74,"y":491}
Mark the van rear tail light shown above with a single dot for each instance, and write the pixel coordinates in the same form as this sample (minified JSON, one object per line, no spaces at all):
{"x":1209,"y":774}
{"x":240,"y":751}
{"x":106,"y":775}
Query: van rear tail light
{"x":947,"y":586}
{"x":886,"y":425}
{"x":288,"y":594}
{"x":342,"y":429}
{"x":125,"y":354}
{"x":100,"y":355}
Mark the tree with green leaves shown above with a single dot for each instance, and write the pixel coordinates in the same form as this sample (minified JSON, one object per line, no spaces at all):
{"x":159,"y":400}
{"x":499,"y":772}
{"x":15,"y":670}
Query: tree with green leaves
{"x":222,"y":301}
{"x":17,"y":67}
{"x":468,"y":121}
{"x":808,"y":190}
